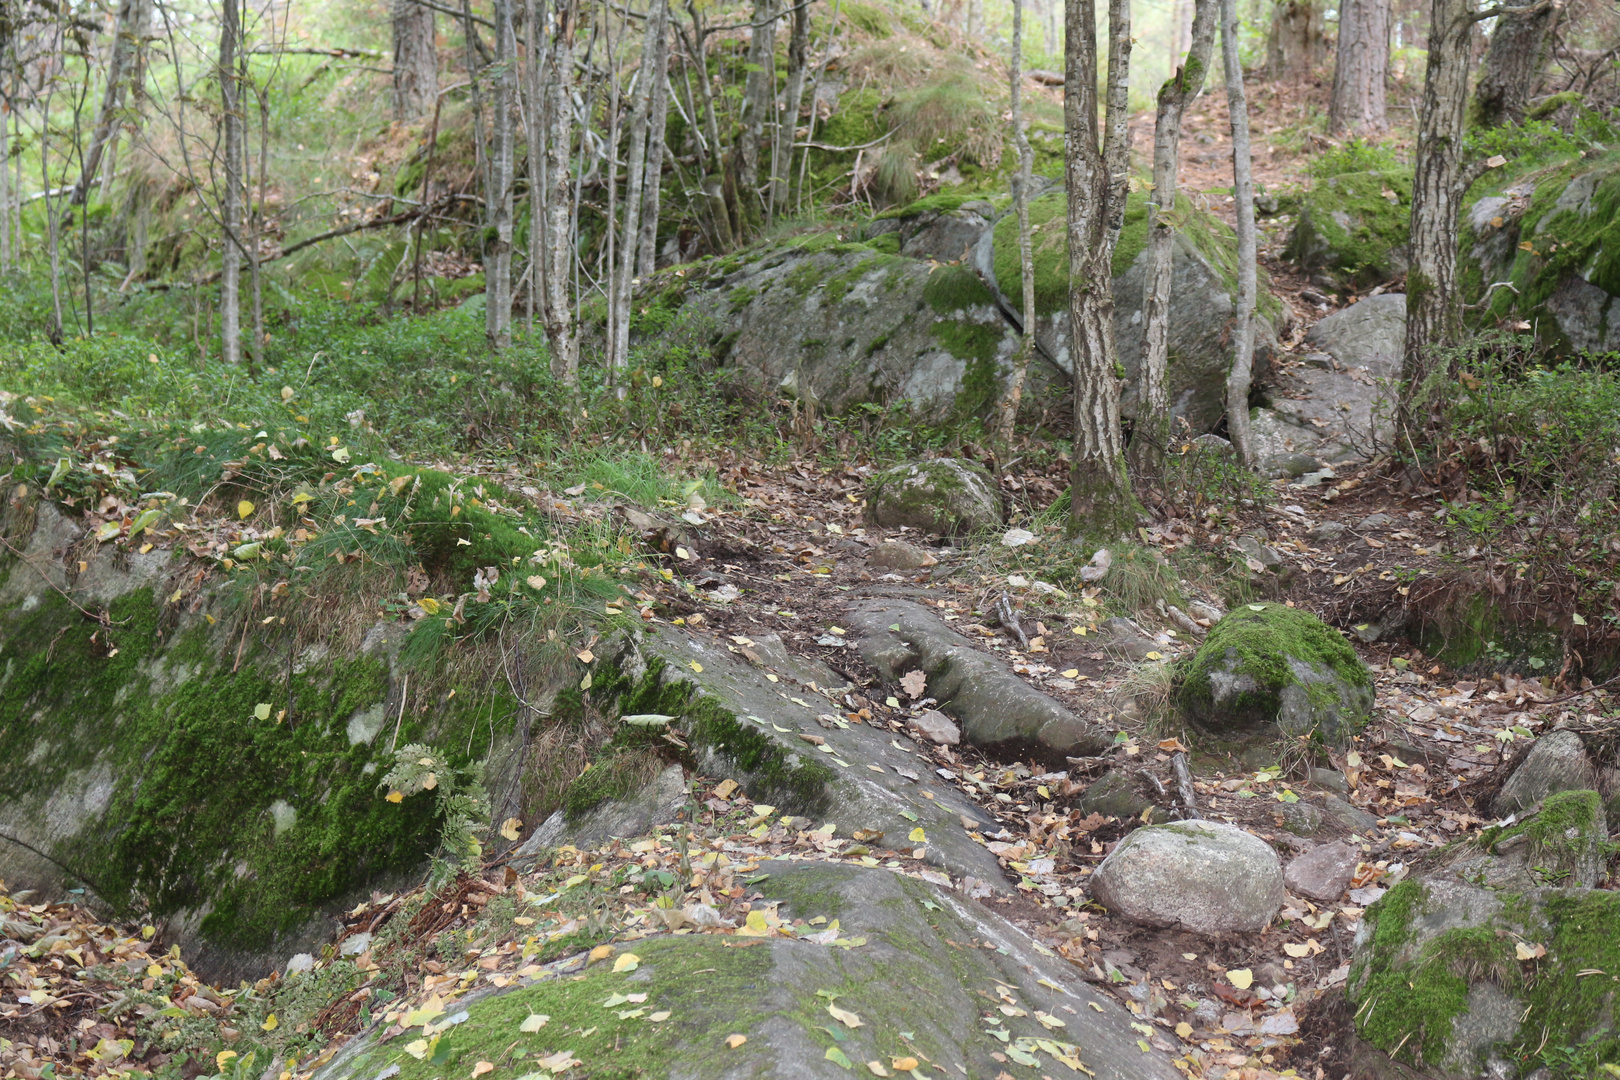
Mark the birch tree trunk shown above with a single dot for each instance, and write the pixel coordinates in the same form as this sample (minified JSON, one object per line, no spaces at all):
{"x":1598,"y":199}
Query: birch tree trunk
{"x":657,"y":121}
{"x":499,"y":195}
{"x":1360,"y":68}
{"x":1100,"y":496}
{"x":1242,"y":371}
{"x":793,"y":99}
{"x":1513,"y":66}
{"x":1151,"y":438}
{"x":1014,"y":396}
{"x":125,"y":33}
{"x":759,"y":90}
{"x":230,"y":204}
{"x":416,"y":60}
{"x":557,"y":259}
{"x":635,"y":179}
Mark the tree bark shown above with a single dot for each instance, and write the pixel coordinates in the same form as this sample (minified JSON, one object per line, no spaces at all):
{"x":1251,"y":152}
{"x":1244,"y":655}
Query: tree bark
{"x":635,"y":179}
{"x":230,"y":205}
{"x":1294,"y":46}
{"x":1242,"y":370}
{"x":1014,"y":395}
{"x":498,"y":196}
{"x":126,"y":33}
{"x":793,"y":100}
{"x":1151,"y":438}
{"x":416,"y":60}
{"x":1513,"y":66}
{"x":1100,"y":496}
{"x":657,"y":121}
{"x":557,"y":259}
{"x":759,"y":90}
{"x":1360,"y":68}
{"x":1433,"y":318}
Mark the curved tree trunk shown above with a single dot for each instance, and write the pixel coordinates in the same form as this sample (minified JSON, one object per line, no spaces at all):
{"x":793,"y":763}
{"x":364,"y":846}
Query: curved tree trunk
{"x":1239,"y":377}
{"x":1152,"y":436}
{"x":1100,"y":494}
{"x":416,"y":62}
{"x":1294,"y":46}
{"x":1513,"y":66}
{"x":1360,"y":67}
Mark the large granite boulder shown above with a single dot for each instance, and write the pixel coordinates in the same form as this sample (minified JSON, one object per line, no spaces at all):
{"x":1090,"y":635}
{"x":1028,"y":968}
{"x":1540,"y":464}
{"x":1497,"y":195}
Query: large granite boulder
{"x":1268,"y":670}
{"x":1204,"y":271}
{"x":1355,"y":227}
{"x":943,"y":496}
{"x":1477,"y":971}
{"x":1204,"y":876}
{"x":900,"y":983}
{"x":839,"y":325}
{"x":943,"y":228}
{"x":1341,"y":402}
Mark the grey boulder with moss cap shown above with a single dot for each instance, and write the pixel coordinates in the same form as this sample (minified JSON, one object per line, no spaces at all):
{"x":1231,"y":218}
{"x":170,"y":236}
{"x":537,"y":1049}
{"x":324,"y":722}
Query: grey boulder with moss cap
{"x":945,"y":496}
{"x":1204,"y":876}
{"x":1268,"y":670}
{"x":997,"y":710}
{"x":893,"y":981}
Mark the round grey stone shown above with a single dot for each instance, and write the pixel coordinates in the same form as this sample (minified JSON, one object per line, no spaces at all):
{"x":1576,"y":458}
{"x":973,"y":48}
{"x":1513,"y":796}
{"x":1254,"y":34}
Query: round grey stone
{"x":1203,"y":876}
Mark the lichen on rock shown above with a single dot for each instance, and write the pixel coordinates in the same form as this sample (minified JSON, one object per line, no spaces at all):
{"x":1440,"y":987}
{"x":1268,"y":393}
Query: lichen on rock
{"x":943,"y":496}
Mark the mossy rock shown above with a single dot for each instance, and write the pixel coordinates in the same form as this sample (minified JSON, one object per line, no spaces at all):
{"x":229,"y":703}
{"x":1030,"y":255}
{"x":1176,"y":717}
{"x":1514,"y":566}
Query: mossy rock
{"x":904,"y":971}
{"x":1437,"y":980}
{"x":945,"y":496}
{"x":1555,"y":236}
{"x":1267,"y":670}
{"x":1203,"y":289}
{"x":1355,"y":226}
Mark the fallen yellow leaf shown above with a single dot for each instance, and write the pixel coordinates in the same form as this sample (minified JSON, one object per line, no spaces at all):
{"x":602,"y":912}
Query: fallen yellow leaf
{"x":395,"y":796}
{"x":1242,"y":978}
{"x":601,"y":952}
{"x":244,"y":508}
{"x":270,"y":1023}
{"x":626,"y":962}
{"x":735,"y":1041}
{"x":903,"y":1064}
{"x":1184,"y":1030}
{"x":844,"y":1016}
{"x":512,"y":828}
{"x":533,"y":1023}
{"x":483,"y":1067}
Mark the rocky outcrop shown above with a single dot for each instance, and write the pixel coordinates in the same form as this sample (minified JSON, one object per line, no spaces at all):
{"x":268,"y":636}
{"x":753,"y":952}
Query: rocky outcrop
{"x":1203,"y":876}
{"x":942,"y":496}
{"x":1268,"y":670}
{"x":839,"y":325}
{"x":1552,"y":237}
{"x":1557,"y":762}
{"x":996,"y":709}
{"x":1476,"y":969}
{"x":1204,"y":269}
{"x":1354,"y":228}
{"x":1340,"y":403}
{"x":897,"y":984}
{"x":943,"y":228}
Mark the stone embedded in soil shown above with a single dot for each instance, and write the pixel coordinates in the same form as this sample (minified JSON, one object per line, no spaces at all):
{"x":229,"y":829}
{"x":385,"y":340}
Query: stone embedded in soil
{"x":1203,"y":876}
{"x":1351,"y":817}
{"x":1324,"y":872}
{"x":899,"y":555}
{"x":997,"y":710}
{"x":937,"y":728}
{"x":1374,"y":521}
{"x":945,"y":496}
{"x":1112,"y":795}
{"x":1330,"y":778}
{"x":1125,"y":637}
{"x":1300,"y":818}
{"x":1327,"y":531}
{"x":1557,"y":762}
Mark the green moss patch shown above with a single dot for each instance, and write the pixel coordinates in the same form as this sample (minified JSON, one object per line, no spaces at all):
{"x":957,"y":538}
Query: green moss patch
{"x":1240,"y":675}
{"x":1355,"y":225}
